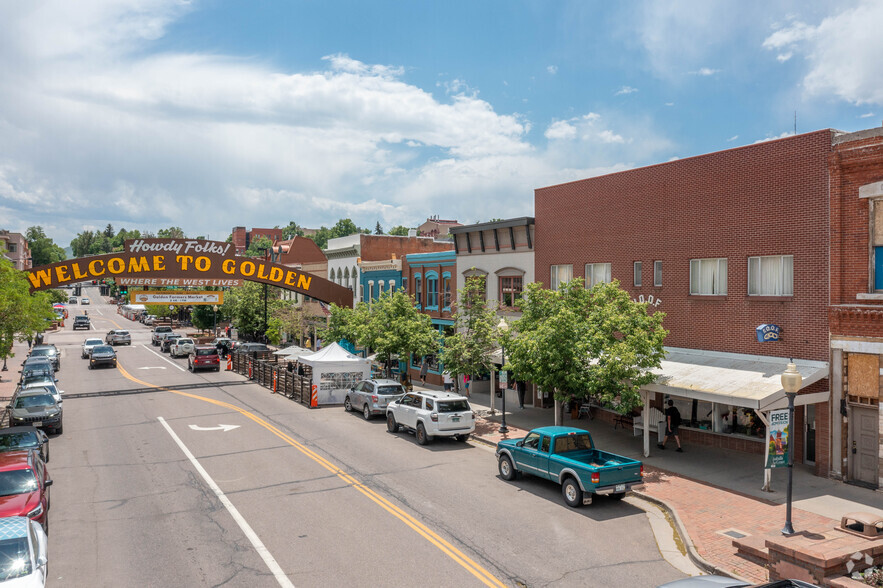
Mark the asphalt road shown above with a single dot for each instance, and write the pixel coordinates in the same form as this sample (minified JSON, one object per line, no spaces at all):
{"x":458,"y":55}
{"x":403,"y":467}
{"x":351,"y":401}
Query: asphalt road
{"x":322,"y":497}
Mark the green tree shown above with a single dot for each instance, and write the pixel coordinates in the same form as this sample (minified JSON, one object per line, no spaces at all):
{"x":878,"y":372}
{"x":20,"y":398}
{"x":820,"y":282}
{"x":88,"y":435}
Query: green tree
{"x":378,"y":230}
{"x":43,"y":249}
{"x":245,"y":307}
{"x":22,"y":314}
{"x":81,"y":245}
{"x":171,"y":233}
{"x":203,"y":317}
{"x":468,"y":349}
{"x":292,"y":230}
{"x":293,"y":320}
{"x":343,"y":228}
{"x":399,"y":231}
{"x":56,"y":296}
{"x":258,"y":247}
{"x":321,"y":237}
{"x":108,"y":231}
{"x":582,"y":343}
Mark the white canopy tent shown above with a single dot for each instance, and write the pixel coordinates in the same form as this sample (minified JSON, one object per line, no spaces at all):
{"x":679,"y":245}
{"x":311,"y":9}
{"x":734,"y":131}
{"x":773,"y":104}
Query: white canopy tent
{"x":293,"y":352}
{"x":335,"y":371}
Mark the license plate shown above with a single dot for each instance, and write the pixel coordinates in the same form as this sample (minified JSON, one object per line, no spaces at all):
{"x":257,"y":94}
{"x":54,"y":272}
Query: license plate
{"x":456,"y":419}
{"x":619,"y":488}
{"x":38,"y":423}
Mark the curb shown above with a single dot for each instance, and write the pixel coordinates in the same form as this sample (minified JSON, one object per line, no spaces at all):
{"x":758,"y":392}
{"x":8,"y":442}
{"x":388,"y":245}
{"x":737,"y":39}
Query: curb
{"x":694,"y":556}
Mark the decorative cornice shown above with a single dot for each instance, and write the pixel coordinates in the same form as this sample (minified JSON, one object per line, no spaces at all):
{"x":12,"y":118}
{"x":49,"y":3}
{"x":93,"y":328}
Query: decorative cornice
{"x":857,"y":314}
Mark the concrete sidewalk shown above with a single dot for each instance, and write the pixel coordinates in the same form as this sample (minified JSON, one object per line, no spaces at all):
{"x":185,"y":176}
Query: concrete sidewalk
{"x":714,"y":495}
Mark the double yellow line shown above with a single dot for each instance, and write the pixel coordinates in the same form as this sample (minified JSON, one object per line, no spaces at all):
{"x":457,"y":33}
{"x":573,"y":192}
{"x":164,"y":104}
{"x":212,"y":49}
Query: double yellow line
{"x":455,"y":554}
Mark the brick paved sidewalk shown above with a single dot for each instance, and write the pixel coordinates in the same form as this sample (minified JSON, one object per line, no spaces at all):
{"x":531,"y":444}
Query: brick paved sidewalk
{"x":706,"y":511}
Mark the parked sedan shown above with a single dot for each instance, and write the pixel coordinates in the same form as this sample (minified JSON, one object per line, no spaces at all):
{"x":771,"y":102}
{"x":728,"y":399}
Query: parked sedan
{"x":24,"y":559}
{"x":204,"y":357}
{"x":102,"y":355}
{"x":23,"y":438}
{"x":90,"y":344}
{"x":181,"y":347}
{"x":372,"y":396}
{"x":24,"y":486}
{"x":37,"y":369}
{"x":36,"y":407}
{"x":48,"y":351}
{"x":118,"y":337}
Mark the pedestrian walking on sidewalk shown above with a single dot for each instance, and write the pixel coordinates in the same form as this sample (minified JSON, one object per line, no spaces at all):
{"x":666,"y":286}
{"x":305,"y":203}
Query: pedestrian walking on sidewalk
{"x":449,"y":381}
{"x":424,"y":369}
{"x":520,"y":388}
{"x":672,"y":422}
{"x":30,"y":342}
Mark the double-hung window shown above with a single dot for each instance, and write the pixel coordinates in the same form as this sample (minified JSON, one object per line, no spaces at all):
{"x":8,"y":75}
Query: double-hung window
{"x":446,"y":290}
{"x":418,"y":290}
{"x":431,"y":290}
{"x":708,"y":277}
{"x":771,"y":275}
{"x":638,"y":269}
{"x":657,"y":273}
{"x":597,"y":273}
{"x":560,"y":275}
{"x":510,"y":290}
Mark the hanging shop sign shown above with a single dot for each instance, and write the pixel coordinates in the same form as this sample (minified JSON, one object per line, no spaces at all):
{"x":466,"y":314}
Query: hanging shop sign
{"x":768,"y":333}
{"x":178,"y":298}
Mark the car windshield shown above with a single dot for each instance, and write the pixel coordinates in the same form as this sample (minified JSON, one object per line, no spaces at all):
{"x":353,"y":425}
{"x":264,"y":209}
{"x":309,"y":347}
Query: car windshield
{"x":102,"y":349}
{"x":122,"y":333}
{"x":45,"y":352}
{"x":93,"y":342}
{"x":17,"y":482}
{"x":18,"y":440}
{"x":15,"y":559}
{"x":49,"y":386}
{"x":32,"y":400}
{"x":453,"y":406}
{"x":30,"y":371}
{"x":390,"y":390}
{"x":206,"y":352}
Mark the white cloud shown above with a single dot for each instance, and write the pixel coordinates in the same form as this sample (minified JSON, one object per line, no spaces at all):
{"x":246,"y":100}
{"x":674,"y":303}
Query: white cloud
{"x":773,"y":138}
{"x":704,"y":71}
{"x":552,"y":69}
{"x":625,"y":90}
{"x":561,"y":129}
{"x":608,"y":136}
{"x":733,"y":138}
{"x":669,"y":103}
{"x":866,"y":115}
{"x":842,"y":52}
{"x":783,"y":57}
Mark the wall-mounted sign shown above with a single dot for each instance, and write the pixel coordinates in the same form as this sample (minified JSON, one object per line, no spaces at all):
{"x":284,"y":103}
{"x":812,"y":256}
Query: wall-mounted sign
{"x":651,"y":300}
{"x":768,"y":333}
{"x":185,"y":298}
{"x":777,"y":457}
{"x":191,"y":282}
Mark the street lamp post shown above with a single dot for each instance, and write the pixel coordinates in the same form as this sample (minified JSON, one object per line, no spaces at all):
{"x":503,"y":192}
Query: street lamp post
{"x":503,"y":326}
{"x":215,"y":326}
{"x":791,"y":382}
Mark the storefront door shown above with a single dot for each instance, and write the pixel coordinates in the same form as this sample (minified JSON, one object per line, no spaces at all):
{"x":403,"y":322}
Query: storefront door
{"x":863,"y":445}
{"x":809,"y":434}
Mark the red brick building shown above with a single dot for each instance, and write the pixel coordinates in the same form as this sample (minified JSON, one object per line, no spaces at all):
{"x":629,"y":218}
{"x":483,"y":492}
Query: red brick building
{"x":722,"y":243}
{"x":855,"y":167}
{"x":242,"y":237}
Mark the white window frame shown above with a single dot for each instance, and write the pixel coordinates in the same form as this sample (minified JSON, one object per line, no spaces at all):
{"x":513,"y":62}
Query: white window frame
{"x":558,"y":272}
{"x":639,"y":268}
{"x":594,"y":269}
{"x":657,"y":273}
{"x":718,"y":287}
{"x":782,"y":287}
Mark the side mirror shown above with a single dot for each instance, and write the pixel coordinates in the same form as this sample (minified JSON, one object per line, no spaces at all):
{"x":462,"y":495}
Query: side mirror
{"x":519,"y":444}
{"x":42,"y":561}
{"x":48,"y":483}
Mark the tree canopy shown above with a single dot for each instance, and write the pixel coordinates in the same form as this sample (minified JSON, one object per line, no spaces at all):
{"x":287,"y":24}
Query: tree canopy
{"x":468,"y":349}
{"x":399,"y":231}
{"x":583,"y":343}
{"x":43,"y":249}
{"x":22,"y":314}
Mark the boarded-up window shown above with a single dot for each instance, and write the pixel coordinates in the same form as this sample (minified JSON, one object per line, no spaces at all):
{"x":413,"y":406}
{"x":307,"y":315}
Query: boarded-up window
{"x":864,"y":375}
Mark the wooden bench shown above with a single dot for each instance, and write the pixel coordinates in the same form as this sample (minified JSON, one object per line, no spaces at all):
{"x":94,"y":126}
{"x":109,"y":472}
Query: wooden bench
{"x":656,"y":417}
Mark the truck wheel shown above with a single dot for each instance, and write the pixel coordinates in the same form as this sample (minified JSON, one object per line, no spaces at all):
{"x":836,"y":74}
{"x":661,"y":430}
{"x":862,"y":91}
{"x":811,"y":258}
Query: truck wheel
{"x":573,"y":495}
{"x":422,"y":437}
{"x":391,"y":425}
{"x":507,"y":470}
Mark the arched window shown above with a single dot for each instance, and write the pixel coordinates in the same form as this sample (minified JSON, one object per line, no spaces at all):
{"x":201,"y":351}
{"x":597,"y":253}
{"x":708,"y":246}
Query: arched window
{"x":418,"y":290}
{"x":346,"y":277}
{"x":432,"y":290}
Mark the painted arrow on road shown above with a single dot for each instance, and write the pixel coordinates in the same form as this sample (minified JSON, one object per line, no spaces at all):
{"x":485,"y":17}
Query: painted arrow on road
{"x":224,"y":428}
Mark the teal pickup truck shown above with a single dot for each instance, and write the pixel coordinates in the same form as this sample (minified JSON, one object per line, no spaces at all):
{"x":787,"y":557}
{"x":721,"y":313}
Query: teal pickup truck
{"x":568,"y":456}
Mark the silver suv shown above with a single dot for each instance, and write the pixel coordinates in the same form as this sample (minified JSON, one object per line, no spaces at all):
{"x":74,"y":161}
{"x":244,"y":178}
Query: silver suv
{"x":158,"y":334}
{"x":372,"y":396}
{"x":431,"y":414}
{"x":118,"y":337}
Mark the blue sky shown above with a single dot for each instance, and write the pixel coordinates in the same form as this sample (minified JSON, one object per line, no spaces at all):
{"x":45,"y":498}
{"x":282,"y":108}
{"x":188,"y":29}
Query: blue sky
{"x":209,"y":114}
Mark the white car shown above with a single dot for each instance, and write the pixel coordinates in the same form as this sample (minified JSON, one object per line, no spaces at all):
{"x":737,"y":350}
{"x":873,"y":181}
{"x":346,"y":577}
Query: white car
{"x":431,"y":414}
{"x":118,"y":337}
{"x":181,"y":347}
{"x":88,"y":344}
{"x":84,"y":301}
{"x":24,"y":559}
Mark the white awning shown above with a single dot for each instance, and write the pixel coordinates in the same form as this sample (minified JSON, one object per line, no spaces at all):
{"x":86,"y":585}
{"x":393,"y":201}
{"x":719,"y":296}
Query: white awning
{"x":747,"y":381}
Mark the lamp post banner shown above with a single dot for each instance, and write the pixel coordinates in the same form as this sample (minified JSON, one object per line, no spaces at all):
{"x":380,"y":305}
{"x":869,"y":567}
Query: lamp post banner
{"x":778,"y":441}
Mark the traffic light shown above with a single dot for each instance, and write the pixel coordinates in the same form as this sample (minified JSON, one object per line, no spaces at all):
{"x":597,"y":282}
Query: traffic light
{"x":124,"y":289}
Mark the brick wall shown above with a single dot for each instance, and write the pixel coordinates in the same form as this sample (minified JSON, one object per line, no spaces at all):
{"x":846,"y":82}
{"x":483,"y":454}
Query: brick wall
{"x":381,"y":247}
{"x":764,"y":199}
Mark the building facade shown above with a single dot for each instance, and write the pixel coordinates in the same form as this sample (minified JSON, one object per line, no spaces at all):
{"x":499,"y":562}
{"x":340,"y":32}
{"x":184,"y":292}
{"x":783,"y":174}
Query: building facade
{"x":16,"y":249}
{"x":431,"y":280}
{"x":722,"y":243}
{"x":378,"y":277}
{"x":242,"y":238}
{"x":856,"y":310}
{"x":436,"y":227}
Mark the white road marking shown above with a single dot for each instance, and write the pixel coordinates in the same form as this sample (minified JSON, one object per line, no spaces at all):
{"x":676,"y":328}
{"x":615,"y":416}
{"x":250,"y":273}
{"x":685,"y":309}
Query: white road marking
{"x":164,"y":358}
{"x":224,"y":428}
{"x":240,"y":520}
{"x":158,"y":367}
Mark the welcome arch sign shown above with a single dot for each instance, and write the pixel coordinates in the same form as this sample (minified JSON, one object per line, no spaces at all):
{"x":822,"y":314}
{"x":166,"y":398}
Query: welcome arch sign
{"x":188,"y":263}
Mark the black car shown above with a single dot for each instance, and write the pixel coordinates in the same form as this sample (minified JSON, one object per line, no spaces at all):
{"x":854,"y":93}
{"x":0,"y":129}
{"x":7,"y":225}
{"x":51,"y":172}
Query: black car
{"x":249,"y":347}
{"x":166,"y":344}
{"x":81,"y":321}
{"x":22,"y":438}
{"x":48,"y":351}
{"x":102,"y":355}
{"x":35,"y":407}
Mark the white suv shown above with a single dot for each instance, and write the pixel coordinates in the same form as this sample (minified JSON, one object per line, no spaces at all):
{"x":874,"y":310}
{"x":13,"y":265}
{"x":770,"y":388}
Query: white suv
{"x":181,"y":347}
{"x":431,"y":414}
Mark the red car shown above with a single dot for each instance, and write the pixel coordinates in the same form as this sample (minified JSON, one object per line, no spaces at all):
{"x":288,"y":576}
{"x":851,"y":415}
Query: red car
{"x":24,"y":486}
{"x":204,"y":357}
